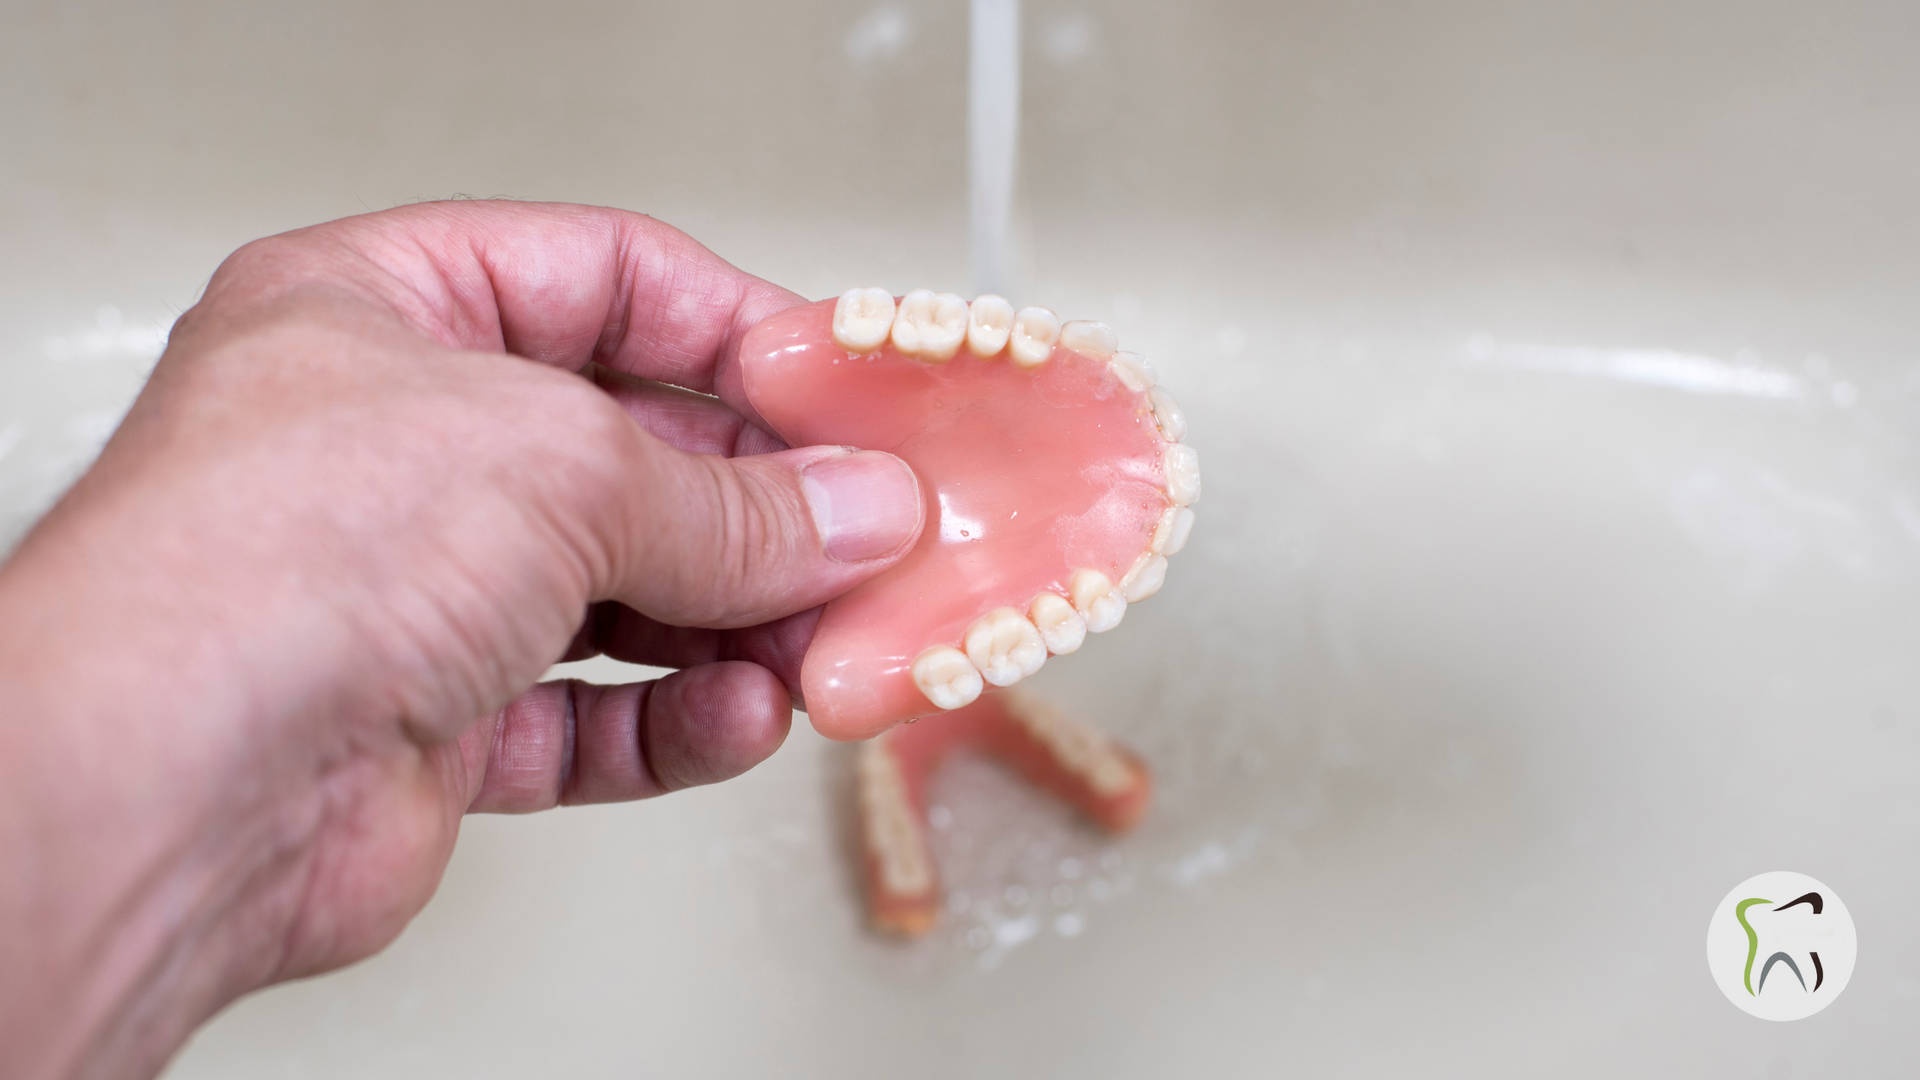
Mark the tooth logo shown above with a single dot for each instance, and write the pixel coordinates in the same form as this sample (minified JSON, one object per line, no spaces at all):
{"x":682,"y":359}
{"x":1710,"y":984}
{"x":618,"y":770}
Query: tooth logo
{"x":1781,"y":946}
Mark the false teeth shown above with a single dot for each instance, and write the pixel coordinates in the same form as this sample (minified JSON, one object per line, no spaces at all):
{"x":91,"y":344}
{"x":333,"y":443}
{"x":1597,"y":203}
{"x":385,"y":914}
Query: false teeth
{"x":1060,"y":626}
{"x":1077,"y":747}
{"x":1095,"y":339}
{"x":1097,"y":601}
{"x":862,"y":319}
{"x":892,"y":831}
{"x":1144,"y":578}
{"x":1133,"y":371}
{"x":945,"y":675}
{"x":910,"y":392}
{"x":1035,"y":329}
{"x":1183,"y":474}
{"x":989,"y":323}
{"x":1172,"y":422}
{"x":1170,"y":535}
{"x":1005,"y":646}
{"x":930,"y":325}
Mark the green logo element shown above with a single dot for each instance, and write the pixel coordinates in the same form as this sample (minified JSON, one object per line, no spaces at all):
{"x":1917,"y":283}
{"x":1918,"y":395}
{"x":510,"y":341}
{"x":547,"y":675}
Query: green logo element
{"x":1753,"y":939}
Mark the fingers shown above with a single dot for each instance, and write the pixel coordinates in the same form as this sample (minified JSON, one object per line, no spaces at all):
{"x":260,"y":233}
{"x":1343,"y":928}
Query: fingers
{"x":701,"y":540}
{"x":624,"y":634}
{"x":696,"y":423}
{"x":570,"y":742}
{"x":564,"y":285}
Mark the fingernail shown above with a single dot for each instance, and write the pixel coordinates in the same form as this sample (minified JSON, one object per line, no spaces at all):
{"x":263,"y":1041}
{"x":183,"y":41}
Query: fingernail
{"x":865,"y":505}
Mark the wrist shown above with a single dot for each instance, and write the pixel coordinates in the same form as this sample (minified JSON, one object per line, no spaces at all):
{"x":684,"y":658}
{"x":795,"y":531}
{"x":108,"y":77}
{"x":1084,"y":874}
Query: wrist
{"x":120,"y":881}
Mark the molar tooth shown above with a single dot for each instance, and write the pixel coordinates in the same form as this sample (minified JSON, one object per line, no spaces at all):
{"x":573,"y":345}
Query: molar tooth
{"x":1133,"y":370}
{"x":989,"y":322}
{"x":1095,"y":339}
{"x":1144,"y":578}
{"x":1173,"y":422}
{"x":1097,"y":601}
{"x":946,"y":676}
{"x":1035,"y":329}
{"x":1005,"y":646}
{"x":1183,"y":474}
{"x":1171,"y":534}
{"x":1060,"y":626}
{"x":862,"y":319}
{"x":930,"y":325}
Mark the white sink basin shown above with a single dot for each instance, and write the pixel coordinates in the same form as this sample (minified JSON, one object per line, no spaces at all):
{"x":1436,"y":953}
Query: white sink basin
{"x":1557,"y":380}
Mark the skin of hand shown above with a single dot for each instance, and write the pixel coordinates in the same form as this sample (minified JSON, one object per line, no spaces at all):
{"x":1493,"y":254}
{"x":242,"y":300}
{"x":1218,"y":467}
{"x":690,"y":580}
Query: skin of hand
{"x":259,"y":661}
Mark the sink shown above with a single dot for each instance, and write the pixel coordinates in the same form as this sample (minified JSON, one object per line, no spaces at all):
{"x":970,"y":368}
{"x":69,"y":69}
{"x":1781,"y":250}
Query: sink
{"x":1556,"y":373}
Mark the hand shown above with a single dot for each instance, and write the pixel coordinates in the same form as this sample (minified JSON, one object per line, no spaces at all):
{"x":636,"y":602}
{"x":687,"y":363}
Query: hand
{"x":383,"y":470}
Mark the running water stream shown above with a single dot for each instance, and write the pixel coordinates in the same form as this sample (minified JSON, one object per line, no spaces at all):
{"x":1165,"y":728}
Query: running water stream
{"x":993,"y":136}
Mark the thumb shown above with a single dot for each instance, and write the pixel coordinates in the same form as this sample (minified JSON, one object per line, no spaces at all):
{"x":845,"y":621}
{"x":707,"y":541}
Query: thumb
{"x":725,"y":542}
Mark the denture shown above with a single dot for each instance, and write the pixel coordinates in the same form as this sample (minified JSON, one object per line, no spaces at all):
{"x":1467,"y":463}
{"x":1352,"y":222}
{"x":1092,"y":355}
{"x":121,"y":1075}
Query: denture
{"x":1102,"y":779}
{"x":1054,"y":474}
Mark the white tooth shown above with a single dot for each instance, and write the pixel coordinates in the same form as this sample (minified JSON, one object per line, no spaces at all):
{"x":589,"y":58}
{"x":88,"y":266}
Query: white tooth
{"x":1148,"y":573}
{"x":1171,"y":534}
{"x":989,"y":322}
{"x":1035,"y":329}
{"x":862,"y":319}
{"x":1095,"y":339}
{"x":1183,"y":475}
{"x":1060,"y":626}
{"x":1133,"y":370}
{"x":1097,"y":601}
{"x":947,"y":677}
{"x":1005,"y":646}
{"x":1173,"y":422}
{"x":930,"y":325}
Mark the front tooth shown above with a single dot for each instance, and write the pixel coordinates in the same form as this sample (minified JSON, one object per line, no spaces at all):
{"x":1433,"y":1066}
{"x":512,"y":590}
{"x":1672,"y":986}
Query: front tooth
{"x":1095,"y":339}
{"x":1005,"y":646}
{"x":1144,"y":578}
{"x":930,"y":325}
{"x":1171,"y":534}
{"x":947,"y":677}
{"x":1097,"y":601}
{"x":1133,"y":370}
{"x":989,"y":322}
{"x":1173,"y":422}
{"x":862,"y":319}
{"x":1035,"y":329}
{"x":1060,"y":626}
{"x":1183,"y":475}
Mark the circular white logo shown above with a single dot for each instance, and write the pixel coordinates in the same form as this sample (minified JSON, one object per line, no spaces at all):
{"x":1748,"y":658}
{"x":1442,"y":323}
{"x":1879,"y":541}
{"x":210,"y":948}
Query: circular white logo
{"x":1781,"y":946}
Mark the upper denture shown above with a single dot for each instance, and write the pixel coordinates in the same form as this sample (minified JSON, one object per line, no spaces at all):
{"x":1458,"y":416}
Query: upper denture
{"x":1055,"y":487}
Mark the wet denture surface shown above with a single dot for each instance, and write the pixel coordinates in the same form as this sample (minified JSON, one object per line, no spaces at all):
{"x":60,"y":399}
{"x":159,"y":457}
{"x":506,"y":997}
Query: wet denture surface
{"x":1097,"y":776}
{"x":1055,"y":480}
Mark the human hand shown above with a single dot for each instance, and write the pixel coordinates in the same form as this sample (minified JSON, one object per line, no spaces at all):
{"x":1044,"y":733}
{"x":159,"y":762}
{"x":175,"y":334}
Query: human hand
{"x":382,"y":470}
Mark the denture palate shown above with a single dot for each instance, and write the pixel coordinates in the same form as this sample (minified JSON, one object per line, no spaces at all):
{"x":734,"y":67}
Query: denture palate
{"x":1102,"y":779}
{"x":1053,"y":469}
